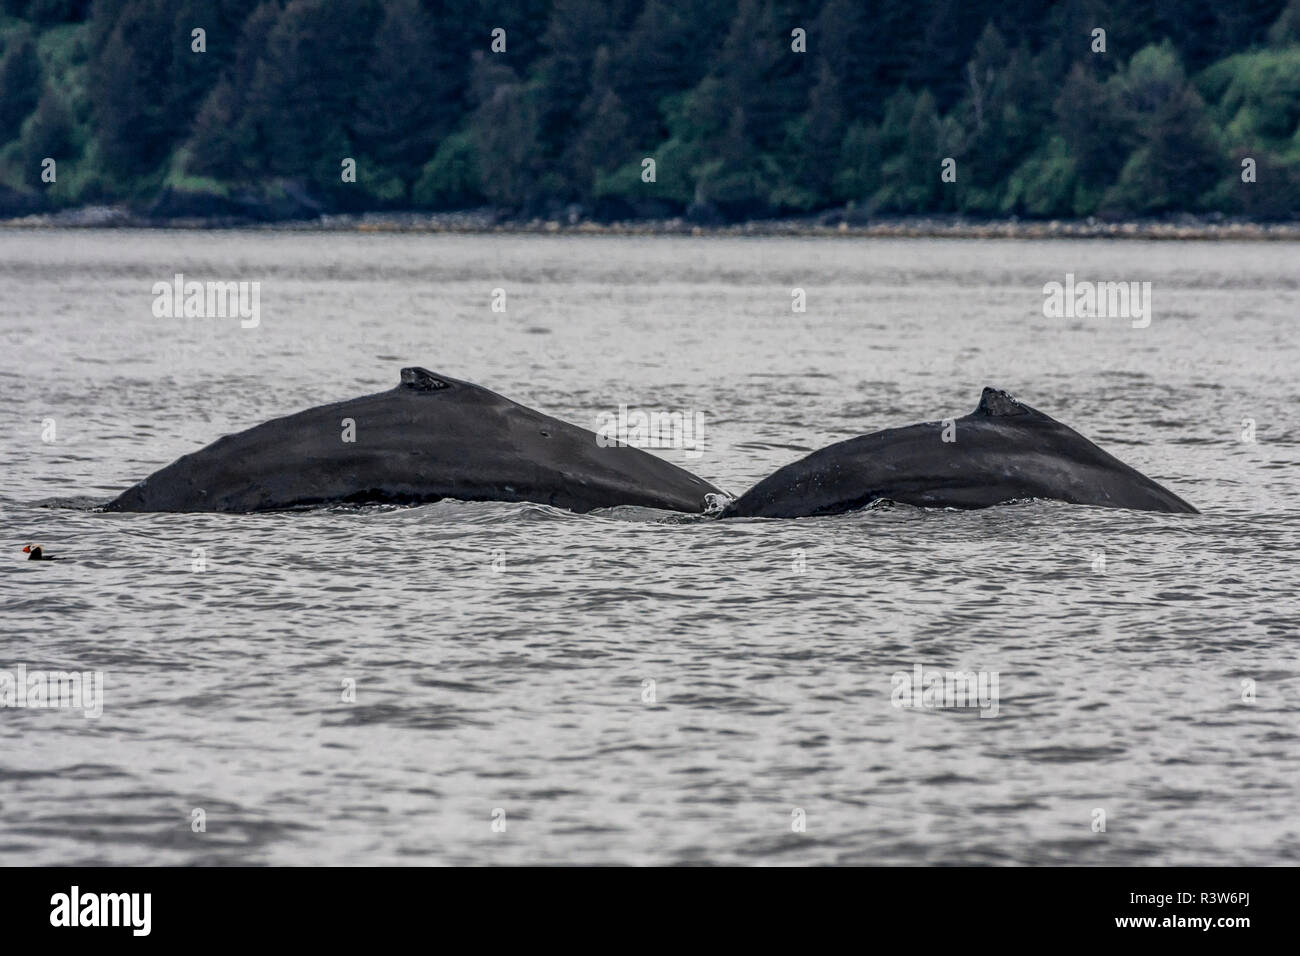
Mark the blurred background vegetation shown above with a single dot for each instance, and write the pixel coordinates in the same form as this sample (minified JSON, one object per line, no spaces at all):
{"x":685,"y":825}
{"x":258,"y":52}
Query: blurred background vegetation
{"x":739,"y":125}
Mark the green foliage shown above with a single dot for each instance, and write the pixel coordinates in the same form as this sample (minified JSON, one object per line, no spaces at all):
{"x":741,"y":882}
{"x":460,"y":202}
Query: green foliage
{"x":739,"y":123}
{"x":451,"y":179}
{"x":20,"y":81}
{"x":504,"y":131}
{"x":604,"y":137}
{"x":1258,"y":95}
{"x":1286,"y":30}
{"x":1179,"y":155}
{"x":304,"y":92}
{"x":625,"y":184}
{"x":816,"y":139}
{"x":1046,"y":184}
{"x":910,"y":172}
{"x":48,"y":132}
{"x":228,"y":139}
{"x":1098,"y":130}
{"x":1274,"y":195}
{"x":401,"y":110}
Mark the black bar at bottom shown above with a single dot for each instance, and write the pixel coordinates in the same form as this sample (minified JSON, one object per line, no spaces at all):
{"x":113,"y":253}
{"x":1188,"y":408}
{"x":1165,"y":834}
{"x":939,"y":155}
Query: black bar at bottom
{"x":331,"y":906}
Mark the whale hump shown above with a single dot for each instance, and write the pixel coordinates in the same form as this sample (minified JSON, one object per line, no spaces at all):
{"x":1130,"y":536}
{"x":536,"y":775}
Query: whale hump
{"x":421,"y":380}
{"x":995,"y":403}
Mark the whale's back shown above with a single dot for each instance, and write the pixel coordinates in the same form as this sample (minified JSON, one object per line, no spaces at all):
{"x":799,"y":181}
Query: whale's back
{"x":1003,"y":451}
{"x":431,"y":437}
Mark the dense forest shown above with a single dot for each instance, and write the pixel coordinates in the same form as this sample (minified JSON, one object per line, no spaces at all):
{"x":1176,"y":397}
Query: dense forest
{"x":748,"y":108}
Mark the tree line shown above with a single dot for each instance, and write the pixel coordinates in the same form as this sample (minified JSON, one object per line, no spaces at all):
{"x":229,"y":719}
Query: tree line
{"x":747,"y":108}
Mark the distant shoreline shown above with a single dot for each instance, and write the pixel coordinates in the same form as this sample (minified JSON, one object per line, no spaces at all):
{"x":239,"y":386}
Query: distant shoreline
{"x":837,"y":223}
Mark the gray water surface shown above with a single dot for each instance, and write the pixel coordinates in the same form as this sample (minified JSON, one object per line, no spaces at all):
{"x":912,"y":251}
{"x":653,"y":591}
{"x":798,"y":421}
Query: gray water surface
{"x":501,"y":652}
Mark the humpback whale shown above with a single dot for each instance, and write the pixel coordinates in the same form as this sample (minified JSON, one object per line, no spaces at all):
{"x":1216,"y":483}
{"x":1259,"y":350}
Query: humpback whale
{"x":429,"y":438}
{"x":1002,"y":451}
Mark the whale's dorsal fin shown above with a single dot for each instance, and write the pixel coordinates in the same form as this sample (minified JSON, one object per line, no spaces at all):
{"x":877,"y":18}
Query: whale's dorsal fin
{"x":996,"y":403}
{"x":421,"y":380}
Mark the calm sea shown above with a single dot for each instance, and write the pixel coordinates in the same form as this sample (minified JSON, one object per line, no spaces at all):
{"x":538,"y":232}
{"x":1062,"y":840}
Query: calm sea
{"x":533,"y":686}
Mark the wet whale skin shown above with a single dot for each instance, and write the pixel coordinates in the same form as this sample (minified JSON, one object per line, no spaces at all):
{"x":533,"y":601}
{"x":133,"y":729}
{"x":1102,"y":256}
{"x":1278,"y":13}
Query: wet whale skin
{"x":431,"y":437}
{"x":1003,"y":451}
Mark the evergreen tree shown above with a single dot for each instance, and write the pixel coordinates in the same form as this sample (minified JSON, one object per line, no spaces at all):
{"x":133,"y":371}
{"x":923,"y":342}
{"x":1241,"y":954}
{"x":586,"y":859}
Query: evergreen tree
{"x":605,"y":138}
{"x":1097,"y":129}
{"x":738,"y":122}
{"x":661,"y":57}
{"x":847,"y":42}
{"x":305,"y":88}
{"x":20,"y":82}
{"x":403,"y":110}
{"x":818,"y":136}
{"x":130,"y":78}
{"x":1179,"y":156}
{"x":504,"y":130}
{"x":228,"y":140}
{"x":911,"y":135}
{"x":1001,"y":118}
{"x":47,"y":133}
{"x":577,"y":28}
{"x":761,"y":75}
